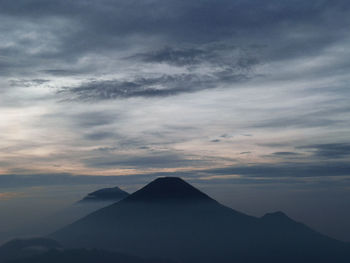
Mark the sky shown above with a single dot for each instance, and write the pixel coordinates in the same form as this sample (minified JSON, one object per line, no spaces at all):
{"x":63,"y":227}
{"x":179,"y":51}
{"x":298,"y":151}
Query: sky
{"x":247,"y":99}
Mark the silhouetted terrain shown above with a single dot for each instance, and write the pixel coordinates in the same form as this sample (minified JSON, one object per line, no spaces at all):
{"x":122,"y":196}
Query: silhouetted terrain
{"x":169,"y":218}
{"x":106,"y":194}
{"x":84,"y":256}
{"x":41,"y":250}
{"x":24,"y":248}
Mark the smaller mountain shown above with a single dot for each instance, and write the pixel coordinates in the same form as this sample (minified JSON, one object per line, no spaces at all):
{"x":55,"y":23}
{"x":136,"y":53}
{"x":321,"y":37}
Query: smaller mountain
{"x":67,"y":215}
{"x":277,"y":218}
{"x":106,"y":194}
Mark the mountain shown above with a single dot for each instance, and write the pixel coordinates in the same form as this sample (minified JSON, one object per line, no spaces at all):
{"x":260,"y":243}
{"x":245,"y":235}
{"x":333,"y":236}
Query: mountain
{"x":67,"y":215}
{"x":23,"y":248}
{"x":169,"y":189}
{"x":41,"y":250}
{"x":106,"y":194}
{"x":84,"y":256}
{"x":169,"y":218}
{"x":91,"y":202}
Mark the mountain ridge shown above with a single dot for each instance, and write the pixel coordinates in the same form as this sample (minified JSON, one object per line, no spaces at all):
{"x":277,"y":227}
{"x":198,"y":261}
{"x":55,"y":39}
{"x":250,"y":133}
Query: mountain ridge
{"x":171,"y":219}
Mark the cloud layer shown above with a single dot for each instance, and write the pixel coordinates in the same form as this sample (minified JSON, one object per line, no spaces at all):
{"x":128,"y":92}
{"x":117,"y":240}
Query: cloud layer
{"x":141,"y":87}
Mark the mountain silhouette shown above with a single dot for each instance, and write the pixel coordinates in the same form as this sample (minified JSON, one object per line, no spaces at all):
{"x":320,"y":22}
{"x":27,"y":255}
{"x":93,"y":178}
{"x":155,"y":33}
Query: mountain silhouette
{"x":168,"y":189}
{"x":84,"y":256}
{"x":106,"y":194}
{"x":168,"y":218}
{"x":42,"y":250}
{"x":23,"y":248}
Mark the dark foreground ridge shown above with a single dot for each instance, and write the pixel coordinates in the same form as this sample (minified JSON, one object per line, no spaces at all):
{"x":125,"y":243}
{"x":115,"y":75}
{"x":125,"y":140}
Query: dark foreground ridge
{"x":25,"y":248}
{"x":40,"y":250}
{"x":170,"y":219}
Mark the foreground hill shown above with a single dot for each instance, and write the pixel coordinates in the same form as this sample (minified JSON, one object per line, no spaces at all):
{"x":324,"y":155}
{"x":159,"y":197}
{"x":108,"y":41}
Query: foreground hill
{"x":42,"y":250}
{"x":84,"y":256}
{"x":169,"y":218}
{"x":24,"y":248}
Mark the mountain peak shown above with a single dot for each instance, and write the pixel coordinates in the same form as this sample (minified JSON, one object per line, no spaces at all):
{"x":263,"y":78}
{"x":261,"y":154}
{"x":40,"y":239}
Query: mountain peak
{"x":277,"y":217}
{"x":168,"y":188}
{"x":105,"y":194}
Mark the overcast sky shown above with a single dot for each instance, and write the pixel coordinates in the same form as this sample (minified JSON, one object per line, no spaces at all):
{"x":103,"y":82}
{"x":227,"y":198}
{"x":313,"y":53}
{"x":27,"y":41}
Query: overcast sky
{"x":224,"y":92}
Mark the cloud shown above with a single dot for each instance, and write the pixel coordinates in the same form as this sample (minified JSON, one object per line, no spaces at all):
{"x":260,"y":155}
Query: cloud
{"x":161,"y":159}
{"x":30,"y":180}
{"x":96,"y":136}
{"x":311,"y":120}
{"x":275,"y":69}
{"x":140,"y":87}
{"x":223,"y":66}
{"x":27,"y":83}
{"x":329,"y":150}
{"x":92,"y":119}
{"x":287,"y":170}
{"x":181,"y":31}
{"x":219,"y":55}
{"x":178,"y":57}
{"x":60,"y":72}
{"x":286,"y":154}
{"x":149,"y":87}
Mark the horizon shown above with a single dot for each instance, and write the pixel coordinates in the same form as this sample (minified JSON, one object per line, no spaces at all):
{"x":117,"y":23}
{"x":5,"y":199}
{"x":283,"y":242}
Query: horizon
{"x":246,"y":100}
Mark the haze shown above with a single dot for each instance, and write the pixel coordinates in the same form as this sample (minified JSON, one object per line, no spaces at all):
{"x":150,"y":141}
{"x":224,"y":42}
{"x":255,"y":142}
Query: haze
{"x":248,"y":100}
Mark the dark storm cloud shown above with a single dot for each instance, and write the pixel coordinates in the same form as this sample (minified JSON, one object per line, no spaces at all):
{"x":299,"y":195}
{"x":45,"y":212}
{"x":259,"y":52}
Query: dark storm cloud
{"x":328,"y":151}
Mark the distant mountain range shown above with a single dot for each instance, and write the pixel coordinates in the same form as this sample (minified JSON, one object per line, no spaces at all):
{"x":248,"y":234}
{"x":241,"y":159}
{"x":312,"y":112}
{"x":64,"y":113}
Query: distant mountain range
{"x":171,"y":219}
